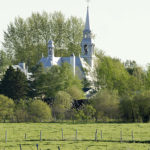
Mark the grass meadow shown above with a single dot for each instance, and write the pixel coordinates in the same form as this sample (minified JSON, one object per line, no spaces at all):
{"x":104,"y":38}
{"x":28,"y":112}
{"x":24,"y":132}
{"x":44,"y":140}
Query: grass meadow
{"x":69,"y":136}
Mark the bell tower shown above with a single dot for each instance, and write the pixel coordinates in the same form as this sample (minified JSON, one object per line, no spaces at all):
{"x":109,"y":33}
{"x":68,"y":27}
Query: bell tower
{"x":51,"y":49}
{"x":86,"y":44}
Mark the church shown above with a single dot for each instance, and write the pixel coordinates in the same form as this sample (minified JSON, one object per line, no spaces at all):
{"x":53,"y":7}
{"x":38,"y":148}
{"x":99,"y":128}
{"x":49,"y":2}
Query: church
{"x":82,"y":65}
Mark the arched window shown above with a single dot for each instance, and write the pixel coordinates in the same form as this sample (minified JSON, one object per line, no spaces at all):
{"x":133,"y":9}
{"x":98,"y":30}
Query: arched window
{"x":85,"y":49}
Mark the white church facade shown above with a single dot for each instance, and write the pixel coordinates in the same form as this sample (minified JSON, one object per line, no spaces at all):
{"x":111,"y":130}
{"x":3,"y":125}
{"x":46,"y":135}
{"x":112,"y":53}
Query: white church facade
{"x":82,"y":65}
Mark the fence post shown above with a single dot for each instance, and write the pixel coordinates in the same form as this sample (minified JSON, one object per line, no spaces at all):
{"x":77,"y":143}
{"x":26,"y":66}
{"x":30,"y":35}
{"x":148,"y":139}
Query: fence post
{"x":101,"y":134}
{"x":76,"y":135}
{"x":62,"y":134}
{"x":96,"y":135}
{"x":132,"y":136}
{"x":40,"y":135}
{"x":20,"y":147}
{"x":121,"y":136}
{"x":25,"y":136}
{"x":37,"y":146}
{"x":6,"y":136}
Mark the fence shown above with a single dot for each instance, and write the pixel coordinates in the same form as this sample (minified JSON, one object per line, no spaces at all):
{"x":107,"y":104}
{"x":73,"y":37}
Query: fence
{"x":74,"y":135}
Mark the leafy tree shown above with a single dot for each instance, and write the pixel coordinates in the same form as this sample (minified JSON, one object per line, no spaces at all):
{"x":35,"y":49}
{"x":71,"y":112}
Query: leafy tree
{"x":75,"y":92}
{"x":89,"y":112}
{"x":137,"y":74}
{"x":6,"y":108}
{"x":39,"y":111}
{"x":4,"y":63}
{"x":62,"y":104}
{"x":57,"y":78}
{"x":129,"y":110}
{"x":147,"y":78}
{"x":106,"y":104}
{"x":125,"y":78}
{"x":138,"y":109}
{"x":130,"y":66}
{"x":21,"y":111}
{"x":14,"y":84}
{"x":26,"y":39}
{"x":111,"y":74}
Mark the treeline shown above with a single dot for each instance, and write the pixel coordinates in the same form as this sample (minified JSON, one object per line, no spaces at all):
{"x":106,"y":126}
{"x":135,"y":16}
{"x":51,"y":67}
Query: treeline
{"x":52,"y":93}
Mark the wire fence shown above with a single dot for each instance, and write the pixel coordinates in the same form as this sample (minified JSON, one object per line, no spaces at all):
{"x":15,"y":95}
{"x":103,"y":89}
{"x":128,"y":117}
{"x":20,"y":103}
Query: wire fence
{"x":31,"y":140}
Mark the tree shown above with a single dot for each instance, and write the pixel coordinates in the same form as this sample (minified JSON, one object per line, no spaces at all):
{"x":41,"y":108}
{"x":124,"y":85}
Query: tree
{"x":21,"y":111}
{"x":137,"y":74}
{"x":34,"y":87}
{"x":14,"y":84}
{"x":128,"y":109}
{"x":39,"y":111}
{"x":89,"y":112}
{"x":6,"y":108}
{"x":75,"y":92}
{"x":111,"y":74}
{"x":57,"y":78}
{"x":26,"y":39}
{"x":147,"y":78}
{"x":4,"y":63}
{"x":106,"y":103}
{"x":62,"y":104}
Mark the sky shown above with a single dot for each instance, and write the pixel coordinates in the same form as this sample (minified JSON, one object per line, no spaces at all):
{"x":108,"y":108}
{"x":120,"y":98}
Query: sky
{"x":122,"y":27}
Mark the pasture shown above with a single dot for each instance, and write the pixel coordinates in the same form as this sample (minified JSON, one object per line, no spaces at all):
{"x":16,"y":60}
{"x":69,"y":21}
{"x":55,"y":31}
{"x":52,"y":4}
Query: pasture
{"x":94,"y":136}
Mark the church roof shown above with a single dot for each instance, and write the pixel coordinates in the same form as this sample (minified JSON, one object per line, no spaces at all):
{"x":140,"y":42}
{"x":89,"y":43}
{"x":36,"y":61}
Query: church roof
{"x":46,"y":61}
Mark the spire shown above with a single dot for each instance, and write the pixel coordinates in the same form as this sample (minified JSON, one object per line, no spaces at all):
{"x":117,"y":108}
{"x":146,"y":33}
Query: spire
{"x":87,"y":23}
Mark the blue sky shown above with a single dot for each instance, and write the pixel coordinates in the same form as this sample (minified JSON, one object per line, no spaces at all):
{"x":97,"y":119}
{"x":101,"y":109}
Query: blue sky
{"x":122,"y":27}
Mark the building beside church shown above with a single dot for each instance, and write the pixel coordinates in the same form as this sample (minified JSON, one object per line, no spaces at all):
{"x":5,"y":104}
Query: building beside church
{"x":82,"y":65}
{"x":24,"y":69}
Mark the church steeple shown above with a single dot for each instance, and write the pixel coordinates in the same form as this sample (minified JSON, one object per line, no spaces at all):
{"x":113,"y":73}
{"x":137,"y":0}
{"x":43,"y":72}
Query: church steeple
{"x":87,"y":23}
{"x":86,"y":44}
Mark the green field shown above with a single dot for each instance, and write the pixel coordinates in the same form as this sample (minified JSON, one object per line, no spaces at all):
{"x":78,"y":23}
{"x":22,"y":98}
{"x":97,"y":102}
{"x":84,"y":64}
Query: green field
{"x":51,"y":136}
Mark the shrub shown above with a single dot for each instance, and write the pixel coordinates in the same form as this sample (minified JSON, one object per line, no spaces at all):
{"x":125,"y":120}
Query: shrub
{"x":6,"y":108}
{"x":39,"y":111}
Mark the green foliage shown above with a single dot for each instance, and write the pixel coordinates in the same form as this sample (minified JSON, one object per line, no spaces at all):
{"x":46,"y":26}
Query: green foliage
{"x":127,"y":78}
{"x":6,"y":108}
{"x":35,"y":84}
{"x":57,"y":78}
{"x":62,"y":104}
{"x":106,"y":104}
{"x":89,"y":112}
{"x":137,"y":76}
{"x":111,"y":74}
{"x":21,"y":111}
{"x":138,"y":107}
{"x":14,"y":84}
{"x":76,"y":93}
{"x":4,"y":63}
{"x":39,"y":111}
{"x":147,"y":80}
{"x":26,"y":39}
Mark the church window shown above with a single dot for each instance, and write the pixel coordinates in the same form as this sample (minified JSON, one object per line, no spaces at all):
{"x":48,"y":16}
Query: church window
{"x":85,"y":49}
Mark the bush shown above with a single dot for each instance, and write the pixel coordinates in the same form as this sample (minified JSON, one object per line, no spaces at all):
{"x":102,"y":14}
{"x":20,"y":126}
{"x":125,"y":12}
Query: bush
{"x":106,"y":104}
{"x":21,"y":111}
{"x":39,"y":111}
{"x":138,"y":107}
{"x":6,"y":108}
{"x":62,"y":104}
